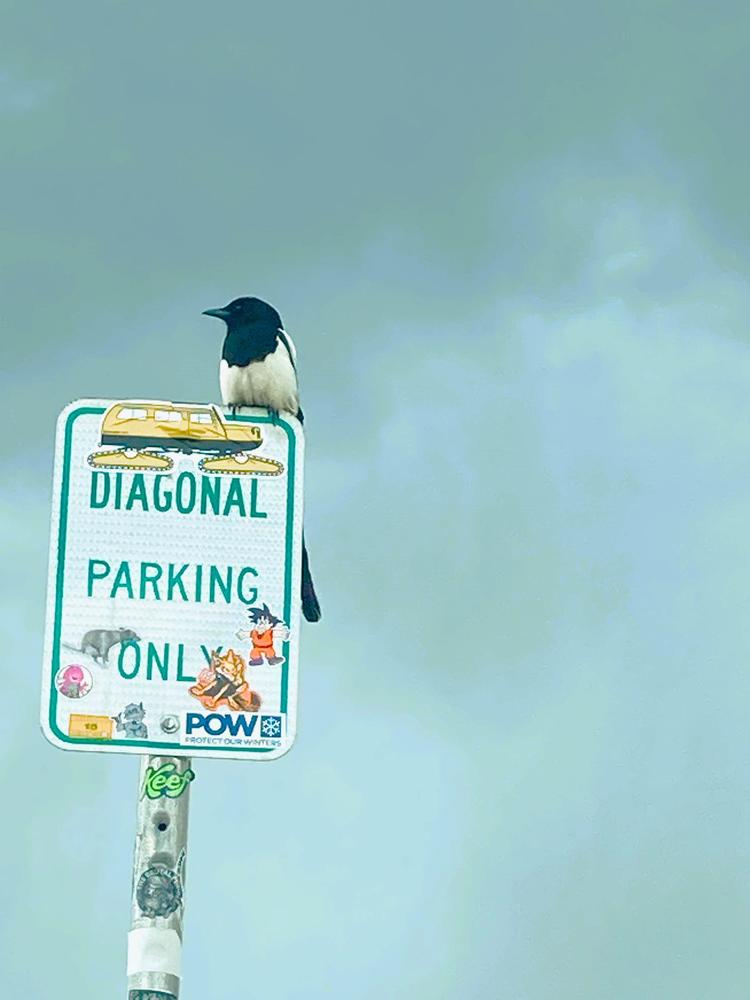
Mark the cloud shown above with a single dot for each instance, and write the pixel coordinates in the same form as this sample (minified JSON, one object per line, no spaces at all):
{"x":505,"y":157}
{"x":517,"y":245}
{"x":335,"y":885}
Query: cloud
{"x":527,"y":527}
{"x":18,"y":97}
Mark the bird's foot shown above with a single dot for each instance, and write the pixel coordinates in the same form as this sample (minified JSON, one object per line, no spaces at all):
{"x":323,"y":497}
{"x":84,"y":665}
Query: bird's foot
{"x":274,"y":415}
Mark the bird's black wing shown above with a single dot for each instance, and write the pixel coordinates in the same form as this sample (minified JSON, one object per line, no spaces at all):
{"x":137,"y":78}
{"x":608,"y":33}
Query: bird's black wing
{"x":287,"y":342}
{"x":284,"y":338}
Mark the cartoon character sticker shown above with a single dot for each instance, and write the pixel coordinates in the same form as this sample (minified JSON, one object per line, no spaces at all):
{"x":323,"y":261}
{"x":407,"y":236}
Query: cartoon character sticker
{"x":130,"y":721}
{"x":223,"y":683}
{"x":74,"y":681}
{"x":268,"y":631}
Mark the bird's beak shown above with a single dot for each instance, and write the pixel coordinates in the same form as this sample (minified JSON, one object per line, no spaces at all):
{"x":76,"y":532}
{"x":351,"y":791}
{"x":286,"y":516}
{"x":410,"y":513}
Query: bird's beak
{"x":218,"y":313}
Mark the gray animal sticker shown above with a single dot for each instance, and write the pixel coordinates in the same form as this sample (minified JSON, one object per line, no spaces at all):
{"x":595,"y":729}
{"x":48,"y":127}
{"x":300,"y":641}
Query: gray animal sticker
{"x":97,"y":642}
{"x":130,"y":721}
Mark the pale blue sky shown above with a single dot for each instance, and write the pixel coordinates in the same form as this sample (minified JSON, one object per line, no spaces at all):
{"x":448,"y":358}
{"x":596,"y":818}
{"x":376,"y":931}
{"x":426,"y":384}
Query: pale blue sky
{"x":511,"y":242}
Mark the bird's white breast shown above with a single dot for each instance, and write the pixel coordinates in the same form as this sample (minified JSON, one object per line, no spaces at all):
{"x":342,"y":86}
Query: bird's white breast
{"x":271,"y":382}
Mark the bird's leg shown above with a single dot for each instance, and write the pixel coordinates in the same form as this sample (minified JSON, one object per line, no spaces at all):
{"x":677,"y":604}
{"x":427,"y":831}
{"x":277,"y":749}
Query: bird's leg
{"x":233,"y":409}
{"x":274,"y":415}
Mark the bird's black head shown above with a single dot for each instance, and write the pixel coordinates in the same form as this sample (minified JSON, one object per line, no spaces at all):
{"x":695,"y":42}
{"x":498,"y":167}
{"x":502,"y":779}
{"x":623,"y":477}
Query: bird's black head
{"x":246,"y":311}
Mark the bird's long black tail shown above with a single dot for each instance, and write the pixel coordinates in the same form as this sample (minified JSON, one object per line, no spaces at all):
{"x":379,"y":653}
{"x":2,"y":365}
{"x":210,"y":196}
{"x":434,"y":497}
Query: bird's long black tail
{"x":310,"y":603}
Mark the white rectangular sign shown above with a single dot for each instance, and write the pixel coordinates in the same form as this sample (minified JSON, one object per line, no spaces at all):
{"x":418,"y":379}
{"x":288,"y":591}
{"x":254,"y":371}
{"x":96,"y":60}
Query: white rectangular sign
{"x":173,"y":597}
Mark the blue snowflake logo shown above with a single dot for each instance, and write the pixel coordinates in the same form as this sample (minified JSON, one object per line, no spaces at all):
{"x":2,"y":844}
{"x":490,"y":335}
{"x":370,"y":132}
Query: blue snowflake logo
{"x":270,"y":725}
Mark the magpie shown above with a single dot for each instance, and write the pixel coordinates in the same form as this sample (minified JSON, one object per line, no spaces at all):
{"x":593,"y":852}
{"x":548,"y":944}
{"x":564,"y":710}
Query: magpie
{"x":258,"y":367}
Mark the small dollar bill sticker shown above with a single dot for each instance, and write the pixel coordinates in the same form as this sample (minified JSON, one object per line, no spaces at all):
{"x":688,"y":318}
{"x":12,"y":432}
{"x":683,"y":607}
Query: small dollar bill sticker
{"x":90,"y":727}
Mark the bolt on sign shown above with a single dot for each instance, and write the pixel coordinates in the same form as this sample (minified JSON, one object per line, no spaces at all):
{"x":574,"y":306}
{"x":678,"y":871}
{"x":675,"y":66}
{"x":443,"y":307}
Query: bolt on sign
{"x":173,"y":600}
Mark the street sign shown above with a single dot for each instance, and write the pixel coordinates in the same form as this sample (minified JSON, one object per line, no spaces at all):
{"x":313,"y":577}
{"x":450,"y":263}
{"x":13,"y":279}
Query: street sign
{"x":174,"y":580}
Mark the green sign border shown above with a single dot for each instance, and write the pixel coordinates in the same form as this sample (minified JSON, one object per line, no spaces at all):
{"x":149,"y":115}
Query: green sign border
{"x":60,"y":576}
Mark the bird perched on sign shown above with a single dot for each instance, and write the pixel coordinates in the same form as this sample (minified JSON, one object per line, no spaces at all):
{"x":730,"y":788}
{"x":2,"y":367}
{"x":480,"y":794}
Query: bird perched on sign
{"x":258,"y":367}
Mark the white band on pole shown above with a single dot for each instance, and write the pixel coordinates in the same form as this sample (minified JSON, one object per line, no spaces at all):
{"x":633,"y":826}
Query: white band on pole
{"x":152,"y":949}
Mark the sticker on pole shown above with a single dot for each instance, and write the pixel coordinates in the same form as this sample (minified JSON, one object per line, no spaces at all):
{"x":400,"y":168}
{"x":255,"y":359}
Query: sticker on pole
{"x":174,"y":580}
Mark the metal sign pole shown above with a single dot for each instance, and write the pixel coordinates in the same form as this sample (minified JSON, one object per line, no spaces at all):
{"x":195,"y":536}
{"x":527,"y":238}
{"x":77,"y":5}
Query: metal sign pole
{"x":155,"y":937}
